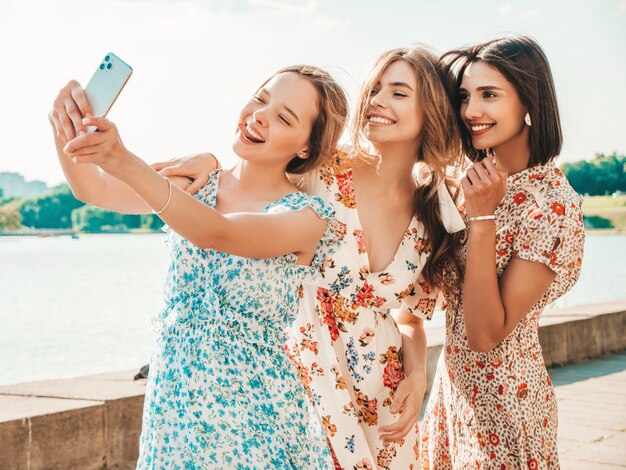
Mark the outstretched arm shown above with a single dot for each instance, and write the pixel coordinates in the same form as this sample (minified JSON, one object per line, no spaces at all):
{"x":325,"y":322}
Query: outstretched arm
{"x":87,"y":181}
{"x":244,"y":234}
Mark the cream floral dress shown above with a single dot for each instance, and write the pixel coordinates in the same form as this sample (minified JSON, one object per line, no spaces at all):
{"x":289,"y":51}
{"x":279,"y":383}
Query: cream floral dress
{"x":345,"y":342}
{"x":497,"y":410}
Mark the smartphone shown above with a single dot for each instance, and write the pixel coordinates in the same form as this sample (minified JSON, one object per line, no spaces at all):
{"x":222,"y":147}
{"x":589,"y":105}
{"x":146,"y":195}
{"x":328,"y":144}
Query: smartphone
{"x":106,"y":84}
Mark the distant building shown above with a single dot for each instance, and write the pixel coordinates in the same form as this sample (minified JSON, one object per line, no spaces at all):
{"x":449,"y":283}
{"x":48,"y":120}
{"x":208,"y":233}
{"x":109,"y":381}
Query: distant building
{"x":14,"y":185}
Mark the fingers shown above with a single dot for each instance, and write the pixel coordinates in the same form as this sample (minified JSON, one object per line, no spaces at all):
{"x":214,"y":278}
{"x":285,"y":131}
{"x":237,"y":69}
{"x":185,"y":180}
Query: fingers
{"x":101,"y":123}
{"x":198,"y":183}
{"x":90,"y":139}
{"x":54,"y":119}
{"x":94,"y":159}
{"x":158,"y":166}
{"x":172,"y":170}
{"x":405,"y":402}
{"x":80,"y":98}
{"x":66,"y":124}
{"x":400,"y":428}
{"x":402,"y":392}
{"x":75,"y":116}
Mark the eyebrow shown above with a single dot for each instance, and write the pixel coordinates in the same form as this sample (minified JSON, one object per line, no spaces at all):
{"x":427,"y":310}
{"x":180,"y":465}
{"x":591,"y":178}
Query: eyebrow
{"x":400,"y":84}
{"x":287,"y":108}
{"x":484,"y":88}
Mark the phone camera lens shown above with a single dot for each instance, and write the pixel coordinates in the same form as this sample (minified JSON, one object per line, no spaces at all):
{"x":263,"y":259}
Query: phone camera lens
{"x":109,"y":66}
{"x":107,"y":58}
{"x":101,"y":66}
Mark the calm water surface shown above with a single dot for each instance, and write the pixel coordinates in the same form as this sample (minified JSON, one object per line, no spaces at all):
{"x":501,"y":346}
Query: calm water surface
{"x":78,"y":307}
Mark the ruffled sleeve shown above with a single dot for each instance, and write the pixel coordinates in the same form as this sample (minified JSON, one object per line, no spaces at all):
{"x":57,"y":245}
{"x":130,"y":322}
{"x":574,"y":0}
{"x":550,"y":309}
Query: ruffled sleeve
{"x":421,"y":299}
{"x":553,"y":234}
{"x":330,"y":240}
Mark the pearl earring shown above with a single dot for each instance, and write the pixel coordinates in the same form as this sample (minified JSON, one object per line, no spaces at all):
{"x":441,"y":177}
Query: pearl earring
{"x":527,"y":120}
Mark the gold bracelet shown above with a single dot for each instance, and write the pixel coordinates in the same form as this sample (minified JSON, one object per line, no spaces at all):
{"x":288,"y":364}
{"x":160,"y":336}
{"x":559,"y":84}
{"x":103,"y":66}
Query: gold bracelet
{"x":169,"y":196}
{"x":476,"y":218}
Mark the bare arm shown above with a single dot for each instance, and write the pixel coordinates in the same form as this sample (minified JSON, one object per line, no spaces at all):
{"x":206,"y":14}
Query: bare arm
{"x":492,"y":308}
{"x":410,"y":393}
{"x":251,"y":235}
{"x":88,"y":182}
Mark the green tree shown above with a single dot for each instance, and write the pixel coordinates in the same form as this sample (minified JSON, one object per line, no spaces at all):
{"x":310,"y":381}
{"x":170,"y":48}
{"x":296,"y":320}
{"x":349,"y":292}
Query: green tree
{"x":10,"y":218}
{"x":50,"y":210}
{"x":95,"y":219}
{"x":151,"y":222}
{"x":605,"y":174}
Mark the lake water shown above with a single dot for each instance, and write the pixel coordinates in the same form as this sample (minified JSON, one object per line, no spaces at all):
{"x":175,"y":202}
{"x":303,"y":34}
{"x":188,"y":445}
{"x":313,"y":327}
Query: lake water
{"x":79,"y":307}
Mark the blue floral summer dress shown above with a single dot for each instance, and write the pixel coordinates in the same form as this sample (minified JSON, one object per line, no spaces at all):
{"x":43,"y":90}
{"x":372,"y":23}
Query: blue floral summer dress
{"x":222,"y":392}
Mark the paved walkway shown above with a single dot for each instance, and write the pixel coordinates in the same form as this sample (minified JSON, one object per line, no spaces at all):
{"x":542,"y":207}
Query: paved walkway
{"x":592,"y":413}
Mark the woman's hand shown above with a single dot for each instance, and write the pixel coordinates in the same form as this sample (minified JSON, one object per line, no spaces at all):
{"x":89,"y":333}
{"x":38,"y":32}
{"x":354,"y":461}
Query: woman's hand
{"x":103,"y":148}
{"x":484,"y":187}
{"x":197,"y":167}
{"x":408,"y":402}
{"x":68,"y":110}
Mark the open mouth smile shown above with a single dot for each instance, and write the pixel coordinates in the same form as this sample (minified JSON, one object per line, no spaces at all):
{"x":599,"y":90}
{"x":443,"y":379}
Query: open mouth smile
{"x":480,"y":128}
{"x":249,"y":134}
{"x":380,"y":120}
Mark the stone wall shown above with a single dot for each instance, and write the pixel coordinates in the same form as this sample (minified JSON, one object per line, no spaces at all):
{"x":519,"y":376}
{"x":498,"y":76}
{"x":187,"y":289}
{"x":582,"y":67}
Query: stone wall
{"x":94,"y":422}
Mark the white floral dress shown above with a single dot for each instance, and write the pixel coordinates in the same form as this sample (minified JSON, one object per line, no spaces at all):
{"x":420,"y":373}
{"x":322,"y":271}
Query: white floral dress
{"x":222,"y":392}
{"x":345,"y":341}
{"x":497,"y":409}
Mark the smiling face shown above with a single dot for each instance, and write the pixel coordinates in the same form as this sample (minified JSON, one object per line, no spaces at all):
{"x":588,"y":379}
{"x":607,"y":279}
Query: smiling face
{"x":491,"y":108}
{"x":394,"y":114}
{"x":275,"y":125}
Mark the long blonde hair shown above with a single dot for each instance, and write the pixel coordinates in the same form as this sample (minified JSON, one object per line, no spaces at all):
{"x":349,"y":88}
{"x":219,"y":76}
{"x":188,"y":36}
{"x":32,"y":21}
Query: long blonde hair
{"x":440,"y":149}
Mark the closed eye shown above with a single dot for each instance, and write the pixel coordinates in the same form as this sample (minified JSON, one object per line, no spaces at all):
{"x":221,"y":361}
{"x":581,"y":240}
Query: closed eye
{"x":258,"y":99}
{"x":284,"y":119}
{"x":399,"y":94}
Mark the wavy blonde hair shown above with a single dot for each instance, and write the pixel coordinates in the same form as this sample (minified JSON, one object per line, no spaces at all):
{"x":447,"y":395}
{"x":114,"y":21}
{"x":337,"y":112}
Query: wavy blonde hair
{"x":440,"y":149}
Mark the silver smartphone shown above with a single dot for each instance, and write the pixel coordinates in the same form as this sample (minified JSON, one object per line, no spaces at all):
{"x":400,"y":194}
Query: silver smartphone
{"x":106,"y":84}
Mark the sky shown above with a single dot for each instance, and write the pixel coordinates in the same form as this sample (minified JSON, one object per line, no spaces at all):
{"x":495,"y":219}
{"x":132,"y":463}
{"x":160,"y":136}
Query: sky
{"x":196,"y":62}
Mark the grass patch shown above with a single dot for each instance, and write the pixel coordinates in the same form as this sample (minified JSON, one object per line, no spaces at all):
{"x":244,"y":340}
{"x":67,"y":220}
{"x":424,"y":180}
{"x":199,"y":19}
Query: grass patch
{"x":605,"y":211}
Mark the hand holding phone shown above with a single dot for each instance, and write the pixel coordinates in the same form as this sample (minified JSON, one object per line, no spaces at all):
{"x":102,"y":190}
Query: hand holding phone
{"x":106,"y":84}
{"x":73,"y":102}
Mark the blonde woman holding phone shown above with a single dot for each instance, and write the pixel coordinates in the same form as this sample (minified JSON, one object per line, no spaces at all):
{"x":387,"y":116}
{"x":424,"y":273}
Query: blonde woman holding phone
{"x":221,"y":391}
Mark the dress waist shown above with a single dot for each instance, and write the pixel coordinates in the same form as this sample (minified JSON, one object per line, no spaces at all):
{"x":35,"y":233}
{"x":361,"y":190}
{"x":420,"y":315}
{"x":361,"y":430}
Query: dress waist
{"x":205,"y":314}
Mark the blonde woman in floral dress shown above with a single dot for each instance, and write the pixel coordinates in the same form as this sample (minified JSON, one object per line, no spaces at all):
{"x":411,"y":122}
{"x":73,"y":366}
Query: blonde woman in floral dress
{"x":221,"y":392}
{"x":492,"y":404}
{"x":364,"y":370}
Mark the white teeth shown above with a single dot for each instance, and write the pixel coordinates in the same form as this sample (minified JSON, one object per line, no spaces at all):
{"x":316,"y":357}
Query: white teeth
{"x":481,"y":127}
{"x":253,"y":134}
{"x":380,"y":120}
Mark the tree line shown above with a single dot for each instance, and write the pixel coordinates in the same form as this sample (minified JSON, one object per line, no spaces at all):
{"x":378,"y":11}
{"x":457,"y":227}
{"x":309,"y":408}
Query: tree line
{"x":59,"y":209}
{"x":604,"y":175}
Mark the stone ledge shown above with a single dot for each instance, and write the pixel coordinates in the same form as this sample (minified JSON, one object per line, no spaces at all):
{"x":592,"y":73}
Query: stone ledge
{"x":566,"y":335}
{"x":85,"y":423}
{"x":94,"y":422}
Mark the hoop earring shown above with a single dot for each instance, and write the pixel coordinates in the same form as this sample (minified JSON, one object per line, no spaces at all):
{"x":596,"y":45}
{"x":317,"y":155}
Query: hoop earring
{"x":527,"y":120}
